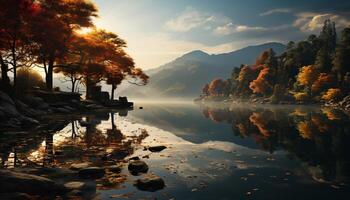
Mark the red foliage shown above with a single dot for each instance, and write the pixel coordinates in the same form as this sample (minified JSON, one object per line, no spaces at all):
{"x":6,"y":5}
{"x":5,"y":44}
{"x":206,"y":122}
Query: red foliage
{"x":217,"y":87}
{"x":260,"y":84}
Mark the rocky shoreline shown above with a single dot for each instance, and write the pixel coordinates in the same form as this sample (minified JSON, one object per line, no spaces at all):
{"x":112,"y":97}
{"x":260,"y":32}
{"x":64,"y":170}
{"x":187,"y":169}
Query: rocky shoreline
{"x":29,"y":111}
{"x":343,"y":104}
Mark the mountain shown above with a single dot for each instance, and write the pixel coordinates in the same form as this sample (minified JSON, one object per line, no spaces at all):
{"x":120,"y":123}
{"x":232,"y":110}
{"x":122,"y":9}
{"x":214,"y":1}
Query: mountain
{"x":185,"y":76}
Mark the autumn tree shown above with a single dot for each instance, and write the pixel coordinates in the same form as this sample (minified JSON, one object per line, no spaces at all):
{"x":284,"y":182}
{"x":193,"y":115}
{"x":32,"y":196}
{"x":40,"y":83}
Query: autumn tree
{"x":72,"y":73}
{"x":307,"y":76}
{"x":217,"y":87}
{"x":332,"y":94}
{"x":260,"y":84}
{"x":53,"y":28}
{"x":205,"y":90}
{"x":323,"y":82}
{"x":15,"y":15}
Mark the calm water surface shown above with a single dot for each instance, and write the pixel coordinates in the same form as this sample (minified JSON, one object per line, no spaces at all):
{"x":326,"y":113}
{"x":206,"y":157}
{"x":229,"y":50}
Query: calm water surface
{"x":214,"y":151}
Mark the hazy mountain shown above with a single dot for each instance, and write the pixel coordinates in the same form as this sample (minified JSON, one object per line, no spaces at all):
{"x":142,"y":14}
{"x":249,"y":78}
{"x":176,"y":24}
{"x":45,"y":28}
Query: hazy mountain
{"x":186,"y":75}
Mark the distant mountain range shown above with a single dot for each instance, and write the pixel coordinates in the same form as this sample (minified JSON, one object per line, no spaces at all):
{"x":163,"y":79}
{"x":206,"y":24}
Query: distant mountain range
{"x":185,"y":76}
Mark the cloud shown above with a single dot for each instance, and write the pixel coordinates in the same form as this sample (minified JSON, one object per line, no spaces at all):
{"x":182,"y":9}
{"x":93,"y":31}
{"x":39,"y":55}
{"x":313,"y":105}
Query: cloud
{"x":215,"y":23}
{"x":231,"y":28}
{"x":190,"y":19}
{"x":311,"y":22}
{"x":274,"y":11}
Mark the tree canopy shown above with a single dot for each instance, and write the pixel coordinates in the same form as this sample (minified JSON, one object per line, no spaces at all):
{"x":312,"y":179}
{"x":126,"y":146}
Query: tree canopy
{"x":45,"y":34}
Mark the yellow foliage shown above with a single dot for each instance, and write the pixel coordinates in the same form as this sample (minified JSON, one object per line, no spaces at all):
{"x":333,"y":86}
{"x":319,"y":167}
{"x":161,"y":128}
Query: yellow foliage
{"x":307,"y":75}
{"x":332,"y":94}
{"x":298,"y":112}
{"x":331,"y":115}
{"x":301,"y":96}
{"x":305,"y":130}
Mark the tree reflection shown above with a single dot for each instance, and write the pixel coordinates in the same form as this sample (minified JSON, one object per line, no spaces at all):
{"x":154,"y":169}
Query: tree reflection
{"x":318,"y":137}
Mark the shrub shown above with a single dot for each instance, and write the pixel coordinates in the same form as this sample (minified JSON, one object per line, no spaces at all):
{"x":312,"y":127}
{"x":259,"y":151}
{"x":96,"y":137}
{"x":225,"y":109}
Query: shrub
{"x":301,"y":96}
{"x":332,"y":94}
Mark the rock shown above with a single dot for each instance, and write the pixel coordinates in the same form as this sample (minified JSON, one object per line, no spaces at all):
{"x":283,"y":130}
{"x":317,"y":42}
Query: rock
{"x":27,"y":122}
{"x":79,"y":166}
{"x":156,"y":148}
{"x":114,"y":168}
{"x":74,"y":185}
{"x":61,"y":110}
{"x":92,"y":173}
{"x":34,"y":102}
{"x":12,"y":182}
{"x":16,"y":196}
{"x":69,"y":108}
{"x":78,"y":185}
{"x":119,"y":154}
{"x":6,"y":99}
{"x":150,"y":183}
{"x":74,"y":193}
{"x":137,"y":167}
{"x":134,"y":158}
{"x":2,"y":115}
{"x":9,"y":110}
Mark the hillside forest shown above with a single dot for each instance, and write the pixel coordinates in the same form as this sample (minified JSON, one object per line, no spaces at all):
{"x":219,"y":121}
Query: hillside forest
{"x":314,"y":70}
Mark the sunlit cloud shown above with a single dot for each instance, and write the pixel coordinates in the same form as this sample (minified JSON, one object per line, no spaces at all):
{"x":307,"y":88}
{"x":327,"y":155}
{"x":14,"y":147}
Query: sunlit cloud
{"x":274,"y":11}
{"x":312,"y":22}
{"x":192,"y":18}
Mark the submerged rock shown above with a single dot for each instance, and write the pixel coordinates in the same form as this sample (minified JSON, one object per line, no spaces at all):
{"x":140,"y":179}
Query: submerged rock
{"x":92,"y":173}
{"x":157,"y":148}
{"x":78,"y":185}
{"x":137,"y":167}
{"x":150,"y":183}
{"x":79,"y":166}
{"x":12,"y":182}
{"x":114,"y":168}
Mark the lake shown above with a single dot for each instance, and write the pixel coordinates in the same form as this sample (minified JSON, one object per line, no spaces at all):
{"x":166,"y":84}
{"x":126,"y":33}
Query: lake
{"x":214,"y":151}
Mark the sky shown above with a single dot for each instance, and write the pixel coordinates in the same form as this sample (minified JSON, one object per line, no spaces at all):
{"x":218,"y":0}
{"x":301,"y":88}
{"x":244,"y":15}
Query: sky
{"x":158,"y":31}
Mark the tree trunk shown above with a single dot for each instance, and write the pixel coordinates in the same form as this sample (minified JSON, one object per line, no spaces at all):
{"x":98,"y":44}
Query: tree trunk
{"x":14,"y":63}
{"x":114,"y":127}
{"x":73,"y":86}
{"x":88,"y":88}
{"x":5,"y":80}
{"x":112,"y":92}
{"x":49,"y":75}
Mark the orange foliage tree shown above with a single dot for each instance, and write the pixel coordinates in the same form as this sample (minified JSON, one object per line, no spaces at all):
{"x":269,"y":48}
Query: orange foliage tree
{"x":15,"y":15}
{"x":260,"y":84}
{"x":323,"y":82}
{"x":53,"y":28}
{"x":217,"y":87}
{"x":332,"y":94}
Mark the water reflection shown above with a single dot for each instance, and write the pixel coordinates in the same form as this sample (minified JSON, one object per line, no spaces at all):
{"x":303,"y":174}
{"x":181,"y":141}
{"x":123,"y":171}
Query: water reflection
{"x":318,"y":137}
{"x":220,"y":151}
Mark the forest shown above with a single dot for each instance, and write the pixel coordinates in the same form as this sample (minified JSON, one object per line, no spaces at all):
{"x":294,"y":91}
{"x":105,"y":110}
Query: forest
{"x":314,"y":70}
{"x":60,"y":37}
